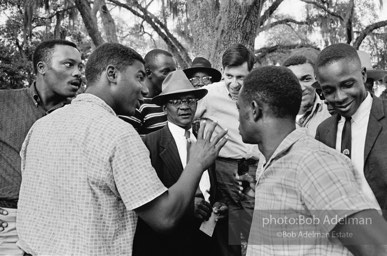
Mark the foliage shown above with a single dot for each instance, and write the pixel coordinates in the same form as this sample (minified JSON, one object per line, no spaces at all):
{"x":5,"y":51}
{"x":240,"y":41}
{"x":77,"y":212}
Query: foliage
{"x":186,"y":28}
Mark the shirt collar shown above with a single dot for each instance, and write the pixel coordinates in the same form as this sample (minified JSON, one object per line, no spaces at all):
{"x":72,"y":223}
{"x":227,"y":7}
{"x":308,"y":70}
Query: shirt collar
{"x":34,"y":94}
{"x":363,"y":110}
{"x":177,"y":130}
{"x":289,"y":140}
{"x":88,"y":97}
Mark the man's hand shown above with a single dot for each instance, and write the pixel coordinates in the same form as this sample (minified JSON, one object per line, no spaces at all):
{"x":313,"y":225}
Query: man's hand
{"x":202,"y":209}
{"x":220,"y":209}
{"x":205,"y":150}
{"x":3,"y":224}
{"x":246,"y":184}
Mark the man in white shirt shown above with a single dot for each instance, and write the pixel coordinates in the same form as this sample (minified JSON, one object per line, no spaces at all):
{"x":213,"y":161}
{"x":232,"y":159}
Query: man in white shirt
{"x":342,"y":79}
{"x":169,"y":154}
{"x":313,"y":110}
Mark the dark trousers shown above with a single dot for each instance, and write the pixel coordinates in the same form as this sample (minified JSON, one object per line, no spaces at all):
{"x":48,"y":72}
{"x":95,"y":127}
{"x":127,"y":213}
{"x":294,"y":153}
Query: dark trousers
{"x":228,"y":232}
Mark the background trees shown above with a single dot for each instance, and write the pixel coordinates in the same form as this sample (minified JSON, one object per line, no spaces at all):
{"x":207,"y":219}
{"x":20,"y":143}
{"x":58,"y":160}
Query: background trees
{"x":187,"y":28}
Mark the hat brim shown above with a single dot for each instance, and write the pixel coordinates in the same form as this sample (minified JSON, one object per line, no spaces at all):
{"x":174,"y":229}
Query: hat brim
{"x":376,"y":74}
{"x":163,"y":98}
{"x":215,"y":74}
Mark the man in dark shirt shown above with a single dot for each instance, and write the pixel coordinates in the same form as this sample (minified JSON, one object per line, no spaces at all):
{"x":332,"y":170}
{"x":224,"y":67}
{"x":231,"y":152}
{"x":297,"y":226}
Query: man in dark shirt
{"x":149,"y":117}
{"x":58,"y":66}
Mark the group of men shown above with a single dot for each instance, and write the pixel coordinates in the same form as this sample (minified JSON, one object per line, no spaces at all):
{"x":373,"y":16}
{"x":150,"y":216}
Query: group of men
{"x":90,"y":186}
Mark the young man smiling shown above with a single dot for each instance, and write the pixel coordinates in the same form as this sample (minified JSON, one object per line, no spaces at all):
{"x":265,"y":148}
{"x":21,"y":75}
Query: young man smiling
{"x":359,"y":114}
{"x":312,"y":110}
{"x":308,"y":199}
{"x":236,"y":156}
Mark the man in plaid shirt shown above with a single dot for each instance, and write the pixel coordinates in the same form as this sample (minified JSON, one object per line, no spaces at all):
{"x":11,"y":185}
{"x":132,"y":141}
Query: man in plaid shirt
{"x":308,"y":199}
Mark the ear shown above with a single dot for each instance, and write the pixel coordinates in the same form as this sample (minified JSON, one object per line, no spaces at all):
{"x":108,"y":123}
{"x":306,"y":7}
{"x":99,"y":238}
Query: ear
{"x":364,"y":74}
{"x":41,"y":67}
{"x":111,"y":74}
{"x":165,"y":108}
{"x":256,"y":110}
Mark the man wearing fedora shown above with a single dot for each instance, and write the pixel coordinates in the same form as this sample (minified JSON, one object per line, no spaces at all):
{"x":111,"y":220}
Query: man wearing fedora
{"x":201,"y":73}
{"x":359,"y":127}
{"x":168,"y":149}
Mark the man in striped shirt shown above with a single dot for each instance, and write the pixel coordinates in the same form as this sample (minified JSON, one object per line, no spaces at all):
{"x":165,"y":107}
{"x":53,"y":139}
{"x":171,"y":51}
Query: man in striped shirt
{"x":150,"y":117}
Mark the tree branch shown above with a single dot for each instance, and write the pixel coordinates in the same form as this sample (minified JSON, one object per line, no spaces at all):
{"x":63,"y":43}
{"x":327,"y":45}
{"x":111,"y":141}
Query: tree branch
{"x":264,"y":51}
{"x":173,"y":44}
{"x":267,"y":14}
{"x":325,"y":9}
{"x":285,"y":21}
{"x":368,"y":30}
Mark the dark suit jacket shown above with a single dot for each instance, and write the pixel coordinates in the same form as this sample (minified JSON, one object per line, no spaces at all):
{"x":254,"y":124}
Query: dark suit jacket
{"x":375,"y":150}
{"x":186,"y":238}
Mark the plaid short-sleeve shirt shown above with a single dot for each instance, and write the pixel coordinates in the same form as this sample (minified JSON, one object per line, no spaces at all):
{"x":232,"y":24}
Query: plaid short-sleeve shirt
{"x":84,"y":171}
{"x":302,"y":192}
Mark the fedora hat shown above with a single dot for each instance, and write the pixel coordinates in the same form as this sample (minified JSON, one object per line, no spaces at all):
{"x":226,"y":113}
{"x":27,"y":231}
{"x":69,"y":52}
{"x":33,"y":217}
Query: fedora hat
{"x":174,"y":84}
{"x":365,"y":60}
{"x":202,"y":64}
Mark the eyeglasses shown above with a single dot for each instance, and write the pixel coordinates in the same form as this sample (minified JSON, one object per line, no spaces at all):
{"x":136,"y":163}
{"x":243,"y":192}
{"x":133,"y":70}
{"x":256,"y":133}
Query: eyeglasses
{"x":178,"y":102}
{"x":195,"y":81}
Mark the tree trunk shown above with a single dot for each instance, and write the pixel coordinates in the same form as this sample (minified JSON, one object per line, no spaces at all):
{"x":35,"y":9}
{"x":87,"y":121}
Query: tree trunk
{"x":90,"y":22}
{"x":215,"y":25}
{"x":108,"y":23}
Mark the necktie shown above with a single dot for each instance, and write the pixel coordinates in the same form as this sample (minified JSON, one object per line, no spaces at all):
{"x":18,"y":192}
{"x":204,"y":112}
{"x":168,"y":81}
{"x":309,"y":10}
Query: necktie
{"x":187,"y":135}
{"x":346,"y":138}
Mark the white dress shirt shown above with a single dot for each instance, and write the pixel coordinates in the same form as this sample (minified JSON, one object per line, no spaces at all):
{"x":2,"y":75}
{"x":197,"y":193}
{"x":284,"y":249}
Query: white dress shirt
{"x":359,"y":123}
{"x":178,"y":134}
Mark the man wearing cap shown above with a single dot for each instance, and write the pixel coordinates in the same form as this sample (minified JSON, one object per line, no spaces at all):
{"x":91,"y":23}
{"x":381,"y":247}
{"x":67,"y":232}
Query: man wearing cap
{"x":236,"y":157}
{"x":201,"y":73}
{"x":168,"y":149}
{"x":312,"y":110}
{"x":359,"y":129}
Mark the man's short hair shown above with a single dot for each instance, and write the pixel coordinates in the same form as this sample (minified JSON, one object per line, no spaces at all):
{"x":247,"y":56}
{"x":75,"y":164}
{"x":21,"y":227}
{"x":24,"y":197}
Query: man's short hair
{"x":336,"y":52}
{"x":236,"y":55}
{"x":43,"y":51}
{"x":277,"y":87}
{"x":107,"y":54}
{"x":295,"y":60}
{"x":152,"y":55}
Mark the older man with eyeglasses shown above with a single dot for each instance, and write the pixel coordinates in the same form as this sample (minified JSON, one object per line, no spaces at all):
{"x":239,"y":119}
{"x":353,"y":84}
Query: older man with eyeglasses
{"x":201,"y":73}
{"x":169,"y":153}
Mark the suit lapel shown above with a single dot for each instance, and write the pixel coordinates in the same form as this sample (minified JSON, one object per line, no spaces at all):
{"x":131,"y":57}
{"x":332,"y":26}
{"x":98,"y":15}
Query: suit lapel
{"x":374,"y":127}
{"x":331,"y":132}
{"x":170,"y":155}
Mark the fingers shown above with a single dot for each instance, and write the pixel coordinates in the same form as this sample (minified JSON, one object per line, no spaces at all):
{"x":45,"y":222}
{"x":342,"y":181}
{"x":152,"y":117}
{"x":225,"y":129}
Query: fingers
{"x":203,"y":210}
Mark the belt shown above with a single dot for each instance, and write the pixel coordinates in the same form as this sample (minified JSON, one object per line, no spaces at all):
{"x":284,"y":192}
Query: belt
{"x":8,"y":203}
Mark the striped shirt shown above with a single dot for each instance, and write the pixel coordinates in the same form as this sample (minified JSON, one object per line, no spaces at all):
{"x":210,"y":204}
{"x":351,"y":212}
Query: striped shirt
{"x":148,"y":118}
{"x":301,"y":192}
{"x":84,"y":172}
